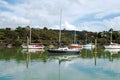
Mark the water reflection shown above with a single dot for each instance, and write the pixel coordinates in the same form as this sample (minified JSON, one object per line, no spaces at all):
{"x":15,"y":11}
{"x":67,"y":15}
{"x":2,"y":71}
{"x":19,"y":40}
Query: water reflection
{"x":63,"y":58}
{"x":28,"y":58}
{"x":82,"y":66}
{"x":113,"y":51}
{"x":15,"y":65}
{"x":34,"y":55}
{"x":90,"y":54}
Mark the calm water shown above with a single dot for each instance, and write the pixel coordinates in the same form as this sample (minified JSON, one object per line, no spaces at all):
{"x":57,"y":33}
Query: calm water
{"x":18,"y":64}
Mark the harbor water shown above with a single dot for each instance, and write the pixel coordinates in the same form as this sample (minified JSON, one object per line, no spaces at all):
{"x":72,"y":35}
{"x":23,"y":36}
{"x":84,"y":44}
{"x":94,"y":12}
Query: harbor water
{"x":19,"y":64}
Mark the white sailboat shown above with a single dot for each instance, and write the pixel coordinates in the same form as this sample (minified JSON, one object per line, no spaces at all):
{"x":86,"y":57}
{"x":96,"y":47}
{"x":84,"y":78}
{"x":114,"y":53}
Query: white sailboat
{"x":112,"y":45}
{"x":88,"y":45}
{"x":65,"y":49}
{"x":30,"y":45}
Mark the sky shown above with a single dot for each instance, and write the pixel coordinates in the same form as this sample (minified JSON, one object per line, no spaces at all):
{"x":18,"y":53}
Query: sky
{"x":90,"y":15}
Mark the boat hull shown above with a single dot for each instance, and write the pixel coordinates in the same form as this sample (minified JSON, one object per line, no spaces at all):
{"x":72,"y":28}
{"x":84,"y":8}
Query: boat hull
{"x":75,"y":46}
{"x":32,"y":47}
{"x":89,"y":46}
{"x":32,"y":50}
{"x":112,"y":47}
{"x":64,"y":50}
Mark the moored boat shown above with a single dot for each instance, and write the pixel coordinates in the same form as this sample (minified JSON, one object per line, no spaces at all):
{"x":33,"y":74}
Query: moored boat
{"x":64,"y":50}
{"x":30,"y":45}
{"x":75,"y":46}
{"x":112,"y":46}
{"x":32,"y":50}
{"x":89,"y":46}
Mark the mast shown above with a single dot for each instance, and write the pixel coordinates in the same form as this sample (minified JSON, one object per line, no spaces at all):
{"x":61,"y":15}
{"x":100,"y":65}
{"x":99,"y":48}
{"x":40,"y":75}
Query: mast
{"x":60,"y":28}
{"x":75,"y":37}
{"x":111,"y":37}
{"x":86,"y":38}
{"x":30,"y":36}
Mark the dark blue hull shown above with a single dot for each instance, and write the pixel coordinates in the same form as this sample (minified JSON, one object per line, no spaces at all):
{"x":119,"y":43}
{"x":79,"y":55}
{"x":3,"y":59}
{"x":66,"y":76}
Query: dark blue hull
{"x":62,"y":51}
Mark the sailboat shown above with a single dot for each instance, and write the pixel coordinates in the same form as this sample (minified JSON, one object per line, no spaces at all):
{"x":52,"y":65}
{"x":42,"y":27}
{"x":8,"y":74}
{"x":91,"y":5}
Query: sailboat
{"x":88,"y":45}
{"x":75,"y":45}
{"x":65,"y":49}
{"x":112,"y":45}
{"x":30,"y":45}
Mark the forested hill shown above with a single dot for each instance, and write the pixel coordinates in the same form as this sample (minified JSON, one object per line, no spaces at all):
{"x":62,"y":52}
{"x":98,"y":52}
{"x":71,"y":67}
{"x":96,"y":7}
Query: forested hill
{"x":50,"y":36}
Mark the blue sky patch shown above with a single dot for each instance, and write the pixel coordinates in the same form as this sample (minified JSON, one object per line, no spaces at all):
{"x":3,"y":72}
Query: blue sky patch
{"x":87,"y":18}
{"x":5,"y":9}
{"x":91,"y":17}
{"x":13,"y":1}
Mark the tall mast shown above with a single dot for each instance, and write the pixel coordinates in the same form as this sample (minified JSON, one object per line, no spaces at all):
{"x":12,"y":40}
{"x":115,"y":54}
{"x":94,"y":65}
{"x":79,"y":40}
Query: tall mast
{"x":111,"y":37}
{"x":75,"y":37}
{"x":60,"y":28}
{"x":30,"y":36}
{"x":86,"y":38}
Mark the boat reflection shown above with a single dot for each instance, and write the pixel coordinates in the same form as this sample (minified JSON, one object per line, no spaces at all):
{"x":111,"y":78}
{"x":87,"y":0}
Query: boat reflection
{"x":67,"y":58}
{"x":32,"y":50}
{"x":113,"y":51}
{"x":28,"y":54}
{"x":64,"y":57}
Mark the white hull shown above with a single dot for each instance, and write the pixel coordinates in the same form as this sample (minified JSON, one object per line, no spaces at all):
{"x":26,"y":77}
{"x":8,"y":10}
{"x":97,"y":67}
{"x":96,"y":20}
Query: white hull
{"x":112,"y":46}
{"x":33,"y":50}
{"x":32,"y":47}
{"x":64,"y":50}
{"x":89,"y":46}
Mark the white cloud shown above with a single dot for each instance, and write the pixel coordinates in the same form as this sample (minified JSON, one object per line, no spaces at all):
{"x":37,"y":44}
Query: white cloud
{"x":92,"y":26}
{"x":65,"y":26}
{"x":107,"y":13}
{"x":113,"y":23}
{"x":10,"y":20}
{"x":104,"y":25}
{"x":69,"y":26}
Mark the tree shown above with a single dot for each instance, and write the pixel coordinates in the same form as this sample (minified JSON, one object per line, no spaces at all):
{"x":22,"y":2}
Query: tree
{"x":45,"y":28}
